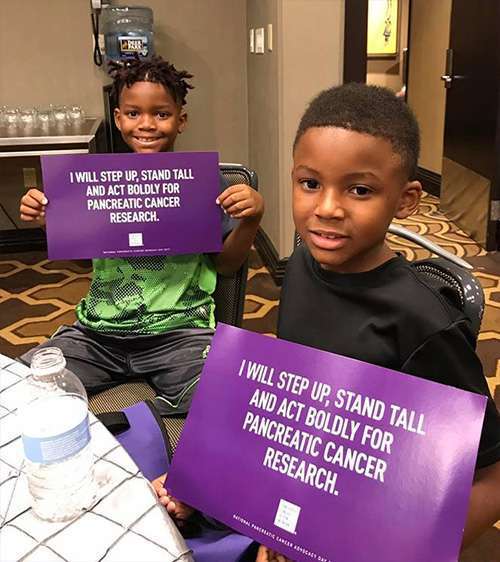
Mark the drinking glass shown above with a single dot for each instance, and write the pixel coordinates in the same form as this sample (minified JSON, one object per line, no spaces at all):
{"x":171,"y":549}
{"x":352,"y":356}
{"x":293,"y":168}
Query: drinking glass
{"x":11,"y":116}
{"x":60,"y":113}
{"x":76,"y":113}
{"x":27,"y":117}
{"x":45,"y":117}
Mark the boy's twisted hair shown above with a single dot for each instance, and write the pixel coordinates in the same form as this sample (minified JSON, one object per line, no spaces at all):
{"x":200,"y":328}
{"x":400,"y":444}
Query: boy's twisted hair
{"x":367,"y":109}
{"x":156,"y":70}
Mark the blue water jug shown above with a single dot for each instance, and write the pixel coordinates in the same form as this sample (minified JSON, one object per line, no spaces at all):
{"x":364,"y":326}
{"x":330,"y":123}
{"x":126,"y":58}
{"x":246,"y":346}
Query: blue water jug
{"x":128,"y":32}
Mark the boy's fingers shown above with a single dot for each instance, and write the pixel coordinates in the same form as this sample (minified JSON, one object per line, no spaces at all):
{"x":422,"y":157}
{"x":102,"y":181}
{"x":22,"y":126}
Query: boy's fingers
{"x":27,"y":218}
{"x":37,"y":195}
{"x":243,"y":214}
{"x":233,"y":200}
{"x":230,"y":191}
{"x":30,"y":217}
{"x":39,"y":219}
{"x":238,"y":207}
{"x":156,"y":482}
{"x":32,"y":203}
{"x":273,"y":556}
{"x":158,"y":485}
{"x":29,"y":211}
{"x":29,"y":201}
{"x":262,"y":555}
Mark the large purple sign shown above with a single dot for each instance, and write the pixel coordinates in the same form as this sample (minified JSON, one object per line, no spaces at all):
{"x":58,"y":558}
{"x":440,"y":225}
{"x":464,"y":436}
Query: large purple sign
{"x":132,"y":205}
{"x":327,"y":458}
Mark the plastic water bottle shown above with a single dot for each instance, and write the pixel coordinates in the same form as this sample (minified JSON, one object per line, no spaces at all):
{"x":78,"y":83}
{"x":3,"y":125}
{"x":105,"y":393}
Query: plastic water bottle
{"x":56,"y":439}
{"x":128,"y":32}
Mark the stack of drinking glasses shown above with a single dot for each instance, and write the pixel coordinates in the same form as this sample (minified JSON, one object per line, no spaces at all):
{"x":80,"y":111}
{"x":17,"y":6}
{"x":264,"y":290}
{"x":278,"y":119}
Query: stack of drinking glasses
{"x":27,"y":118}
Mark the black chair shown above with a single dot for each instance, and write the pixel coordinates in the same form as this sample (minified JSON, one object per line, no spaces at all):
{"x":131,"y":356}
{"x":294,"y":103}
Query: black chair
{"x":451,"y":272}
{"x":461,"y":281}
{"x":229,"y":299}
{"x":447,"y":271}
{"x":229,"y":294}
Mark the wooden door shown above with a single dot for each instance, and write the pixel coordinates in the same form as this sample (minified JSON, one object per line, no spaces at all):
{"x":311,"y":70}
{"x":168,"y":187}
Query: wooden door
{"x":471,"y":160}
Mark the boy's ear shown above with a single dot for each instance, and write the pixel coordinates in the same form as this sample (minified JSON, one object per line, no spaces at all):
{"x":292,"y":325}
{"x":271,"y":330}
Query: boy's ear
{"x":183,"y":119}
{"x":117,"y":117}
{"x":409,"y":200}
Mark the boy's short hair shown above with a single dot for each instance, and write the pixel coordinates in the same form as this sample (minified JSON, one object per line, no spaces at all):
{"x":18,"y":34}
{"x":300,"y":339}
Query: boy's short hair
{"x":155,"y":70}
{"x":367,"y":109}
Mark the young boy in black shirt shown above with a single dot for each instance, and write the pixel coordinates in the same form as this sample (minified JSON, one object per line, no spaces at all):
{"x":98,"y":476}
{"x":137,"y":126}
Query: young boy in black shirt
{"x":345,"y":291}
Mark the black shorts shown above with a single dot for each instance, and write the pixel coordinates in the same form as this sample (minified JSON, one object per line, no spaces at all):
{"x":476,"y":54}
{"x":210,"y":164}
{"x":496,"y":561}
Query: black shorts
{"x":170,"y":362}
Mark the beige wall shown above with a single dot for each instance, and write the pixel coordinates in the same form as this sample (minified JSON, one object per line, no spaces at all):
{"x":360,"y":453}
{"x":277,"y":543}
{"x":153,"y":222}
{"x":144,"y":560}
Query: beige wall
{"x":51,"y":62}
{"x":313,"y":60}
{"x":430,"y":30}
{"x":50,"y":55}
{"x":263,"y":110}
{"x":389,"y":72}
{"x":307,"y":58}
{"x":248,"y":114}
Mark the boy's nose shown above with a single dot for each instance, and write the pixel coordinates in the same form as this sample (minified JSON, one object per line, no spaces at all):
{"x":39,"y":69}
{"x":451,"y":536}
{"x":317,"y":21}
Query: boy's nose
{"x":147,"y":122}
{"x":329,"y":206}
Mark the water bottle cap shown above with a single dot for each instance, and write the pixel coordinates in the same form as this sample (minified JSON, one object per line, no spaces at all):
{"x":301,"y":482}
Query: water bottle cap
{"x":47,"y":361}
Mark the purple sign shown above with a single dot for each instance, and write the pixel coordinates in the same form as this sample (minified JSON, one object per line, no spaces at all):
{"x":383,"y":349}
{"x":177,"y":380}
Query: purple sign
{"x":326,"y":458}
{"x":132,"y":205}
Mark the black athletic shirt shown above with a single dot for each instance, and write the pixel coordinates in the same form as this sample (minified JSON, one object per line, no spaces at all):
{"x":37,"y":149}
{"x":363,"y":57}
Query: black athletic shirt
{"x":392,"y":317}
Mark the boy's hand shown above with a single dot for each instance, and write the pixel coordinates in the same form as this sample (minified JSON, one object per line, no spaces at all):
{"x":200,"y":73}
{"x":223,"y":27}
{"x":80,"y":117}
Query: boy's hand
{"x":32,"y":206}
{"x":267,"y":555}
{"x":177,"y":510}
{"x":241,"y":202}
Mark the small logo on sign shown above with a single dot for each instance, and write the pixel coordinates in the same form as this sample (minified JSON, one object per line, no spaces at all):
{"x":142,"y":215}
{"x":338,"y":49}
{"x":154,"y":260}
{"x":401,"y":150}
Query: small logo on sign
{"x":287,"y":516}
{"x":135,"y":239}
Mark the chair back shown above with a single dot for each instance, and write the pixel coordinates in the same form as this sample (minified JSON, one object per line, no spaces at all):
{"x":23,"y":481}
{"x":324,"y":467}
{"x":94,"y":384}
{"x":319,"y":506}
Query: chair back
{"x":407,"y":234}
{"x":465,"y":285}
{"x":448,"y":271}
{"x":229,"y":294}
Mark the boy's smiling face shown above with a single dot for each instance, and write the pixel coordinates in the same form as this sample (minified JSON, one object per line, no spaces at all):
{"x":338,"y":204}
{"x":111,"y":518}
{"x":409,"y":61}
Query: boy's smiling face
{"x":347,"y":188}
{"x":149,"y":118}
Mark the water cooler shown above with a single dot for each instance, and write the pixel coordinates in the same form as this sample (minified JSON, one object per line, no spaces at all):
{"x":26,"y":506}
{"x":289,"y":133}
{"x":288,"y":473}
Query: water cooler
{"x":121,"y":33}
{"x":127,"y":32}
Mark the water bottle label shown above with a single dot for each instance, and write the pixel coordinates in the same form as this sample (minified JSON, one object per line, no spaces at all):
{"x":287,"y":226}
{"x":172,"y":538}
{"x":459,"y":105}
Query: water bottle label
{"x":129,"y":45}
{"x":57,"y":447}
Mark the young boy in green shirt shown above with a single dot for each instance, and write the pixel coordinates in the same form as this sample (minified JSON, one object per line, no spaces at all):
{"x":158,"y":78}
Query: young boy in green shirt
{"x":152,"y":317}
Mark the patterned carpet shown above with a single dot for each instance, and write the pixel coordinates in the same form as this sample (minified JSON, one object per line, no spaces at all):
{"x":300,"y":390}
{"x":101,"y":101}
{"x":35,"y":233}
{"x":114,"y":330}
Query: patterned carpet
{"x":37,"y":296}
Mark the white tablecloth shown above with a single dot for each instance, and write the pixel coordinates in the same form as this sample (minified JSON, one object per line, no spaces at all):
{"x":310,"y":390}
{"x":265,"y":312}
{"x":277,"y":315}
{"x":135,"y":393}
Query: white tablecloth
{"x":125,"y":524}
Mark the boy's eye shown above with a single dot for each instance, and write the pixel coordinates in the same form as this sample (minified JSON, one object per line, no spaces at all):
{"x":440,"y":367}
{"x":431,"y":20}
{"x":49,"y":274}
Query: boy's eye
{"x":309,"y":184}
{"x":360,"y":190}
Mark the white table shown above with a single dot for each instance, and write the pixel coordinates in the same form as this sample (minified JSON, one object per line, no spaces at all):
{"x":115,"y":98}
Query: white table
{"x":125,"y":524}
